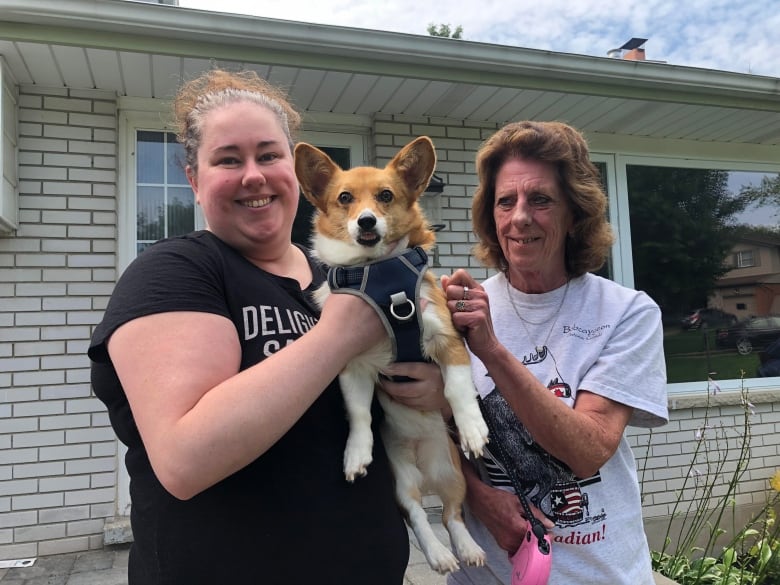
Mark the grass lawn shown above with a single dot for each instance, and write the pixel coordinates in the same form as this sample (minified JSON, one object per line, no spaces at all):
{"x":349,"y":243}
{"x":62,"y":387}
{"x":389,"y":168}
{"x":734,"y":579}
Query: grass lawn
{"x":692,"y":355}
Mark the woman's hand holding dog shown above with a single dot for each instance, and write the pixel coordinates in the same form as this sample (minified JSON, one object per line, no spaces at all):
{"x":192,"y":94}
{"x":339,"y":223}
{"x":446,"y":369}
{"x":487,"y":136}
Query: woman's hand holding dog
{"x":470,"y":309}
{"x":425,"y":390}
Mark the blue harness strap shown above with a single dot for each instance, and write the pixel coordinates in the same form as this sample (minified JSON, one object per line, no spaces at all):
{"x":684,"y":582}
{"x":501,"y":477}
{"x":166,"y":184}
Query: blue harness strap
{"x":392,"y":287}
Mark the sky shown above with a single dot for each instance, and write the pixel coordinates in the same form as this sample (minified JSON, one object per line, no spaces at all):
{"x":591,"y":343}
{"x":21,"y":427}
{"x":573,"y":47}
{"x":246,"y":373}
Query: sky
{"x":729,"y":35}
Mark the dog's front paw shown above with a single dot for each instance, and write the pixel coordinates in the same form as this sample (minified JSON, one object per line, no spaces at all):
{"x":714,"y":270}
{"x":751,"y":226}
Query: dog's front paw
{"x":473,"y":433}
{"x":354,"y":470}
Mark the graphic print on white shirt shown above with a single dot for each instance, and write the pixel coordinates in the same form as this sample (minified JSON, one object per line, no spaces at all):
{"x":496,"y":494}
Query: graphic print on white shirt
{"x":546,"y":482}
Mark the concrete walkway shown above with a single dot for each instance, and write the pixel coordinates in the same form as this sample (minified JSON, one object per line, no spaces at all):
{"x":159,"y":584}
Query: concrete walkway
{"x":108,"y":566}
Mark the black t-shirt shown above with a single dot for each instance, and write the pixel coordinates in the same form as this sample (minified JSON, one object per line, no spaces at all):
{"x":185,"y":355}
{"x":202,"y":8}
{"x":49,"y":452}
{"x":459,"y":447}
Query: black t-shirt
{"x":290,"y":516}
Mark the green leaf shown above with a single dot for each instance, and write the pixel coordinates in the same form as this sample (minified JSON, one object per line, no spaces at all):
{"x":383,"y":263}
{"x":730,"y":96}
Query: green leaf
{"x":729,"y":556}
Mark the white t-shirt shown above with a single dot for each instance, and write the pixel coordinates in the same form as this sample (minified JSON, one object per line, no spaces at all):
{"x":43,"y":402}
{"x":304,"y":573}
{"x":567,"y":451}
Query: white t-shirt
{"x":608,"y":340}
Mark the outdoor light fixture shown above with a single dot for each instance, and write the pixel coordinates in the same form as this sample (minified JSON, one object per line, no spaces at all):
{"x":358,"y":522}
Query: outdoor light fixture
{"x":435,"y":185}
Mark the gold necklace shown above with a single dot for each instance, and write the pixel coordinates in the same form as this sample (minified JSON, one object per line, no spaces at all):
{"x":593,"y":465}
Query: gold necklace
{"x":523,"y":321}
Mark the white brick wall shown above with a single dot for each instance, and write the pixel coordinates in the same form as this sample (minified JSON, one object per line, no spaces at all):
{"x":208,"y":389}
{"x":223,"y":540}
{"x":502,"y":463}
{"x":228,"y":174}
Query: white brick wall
{"x":667,"y":456}
{"x":456,"y":145}
{"x":57,"y":450}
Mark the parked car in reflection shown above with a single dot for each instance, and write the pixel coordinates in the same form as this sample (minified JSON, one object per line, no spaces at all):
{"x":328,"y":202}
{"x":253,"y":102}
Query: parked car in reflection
{"x":752,"y":333}
{"x":708,"y":318}
{"x":770,"y":360}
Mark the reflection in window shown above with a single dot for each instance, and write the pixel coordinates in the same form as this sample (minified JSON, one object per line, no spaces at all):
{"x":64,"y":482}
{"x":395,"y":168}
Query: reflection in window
{"x":706,"y":248}
{"x":164,"y":202}
{"x":745,"y":258}
{"x":301,"y":230}
{"x":606,"y":271}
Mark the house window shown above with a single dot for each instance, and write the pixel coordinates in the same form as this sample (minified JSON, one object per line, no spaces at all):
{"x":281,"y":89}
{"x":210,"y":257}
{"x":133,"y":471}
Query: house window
{"x":745,"y":259}
{"x":685,"y":227}
{"x":347,"y":151}
{"x":165,"y":205}
{"x":607,"y":271}
{"x":302,"y":226}
{"x":157,"y":201}
{"x":9,"y":136}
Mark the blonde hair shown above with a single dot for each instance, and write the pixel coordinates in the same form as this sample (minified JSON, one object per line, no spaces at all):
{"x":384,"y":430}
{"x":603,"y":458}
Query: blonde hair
{"x":587,"y":248}
{"x":217,"y":88}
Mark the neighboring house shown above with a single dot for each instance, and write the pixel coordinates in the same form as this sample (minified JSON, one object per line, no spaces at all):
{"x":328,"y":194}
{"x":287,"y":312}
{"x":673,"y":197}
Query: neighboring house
{"x":90,"y":171}
{"x":752,"y":286}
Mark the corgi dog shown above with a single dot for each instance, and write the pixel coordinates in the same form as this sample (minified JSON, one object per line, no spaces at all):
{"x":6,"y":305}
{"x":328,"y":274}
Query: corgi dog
{"x":366,"y":216}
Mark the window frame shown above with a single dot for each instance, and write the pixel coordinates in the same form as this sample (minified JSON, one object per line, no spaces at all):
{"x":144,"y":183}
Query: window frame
{"x":356,"y":143}
{"x":9,"y":150}
{"x":740,"y":260}
{"x":140,"y":115}
{"x":133,"y":115}
{"x":150,"y":115}
{"x":617,"y":266}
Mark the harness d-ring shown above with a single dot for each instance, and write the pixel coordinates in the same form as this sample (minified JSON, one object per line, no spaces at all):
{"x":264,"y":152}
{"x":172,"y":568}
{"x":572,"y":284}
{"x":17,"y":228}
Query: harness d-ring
{"x":399,"y":299}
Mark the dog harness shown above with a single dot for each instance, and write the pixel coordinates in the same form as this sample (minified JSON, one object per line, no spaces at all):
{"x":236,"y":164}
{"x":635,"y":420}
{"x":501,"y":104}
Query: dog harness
{"x":392,"y":287}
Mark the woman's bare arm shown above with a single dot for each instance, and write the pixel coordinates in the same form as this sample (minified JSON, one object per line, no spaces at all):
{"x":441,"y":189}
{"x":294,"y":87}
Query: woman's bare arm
{"x":200,"y":419}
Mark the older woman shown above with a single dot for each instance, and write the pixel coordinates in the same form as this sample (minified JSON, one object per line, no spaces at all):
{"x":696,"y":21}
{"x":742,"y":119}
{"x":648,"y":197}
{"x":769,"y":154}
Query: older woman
{"x":563,"y":359}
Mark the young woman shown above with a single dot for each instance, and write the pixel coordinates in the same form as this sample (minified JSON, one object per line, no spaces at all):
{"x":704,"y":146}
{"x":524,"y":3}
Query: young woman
{"x":219,"y":374}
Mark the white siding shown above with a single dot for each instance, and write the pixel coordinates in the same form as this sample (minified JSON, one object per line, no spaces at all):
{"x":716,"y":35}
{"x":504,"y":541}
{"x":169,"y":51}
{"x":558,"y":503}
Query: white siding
{"x":57,"y":450}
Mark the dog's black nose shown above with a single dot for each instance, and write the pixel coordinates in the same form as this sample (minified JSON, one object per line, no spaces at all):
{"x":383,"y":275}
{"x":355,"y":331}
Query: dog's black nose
{"x":367,"y":222}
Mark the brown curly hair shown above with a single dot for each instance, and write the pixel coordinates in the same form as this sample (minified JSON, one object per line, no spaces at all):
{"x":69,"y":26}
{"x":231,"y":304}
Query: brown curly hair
{"x":217,"y":88}
{"x":565,"y":148}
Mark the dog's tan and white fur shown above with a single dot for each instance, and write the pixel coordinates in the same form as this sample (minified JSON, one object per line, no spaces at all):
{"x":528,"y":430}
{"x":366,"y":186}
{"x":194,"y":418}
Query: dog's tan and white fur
{"x":363,"y":215}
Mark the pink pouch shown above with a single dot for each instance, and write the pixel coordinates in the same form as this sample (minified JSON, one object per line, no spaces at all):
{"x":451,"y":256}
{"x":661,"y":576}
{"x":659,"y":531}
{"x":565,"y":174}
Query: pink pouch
{"x":531,"y":563}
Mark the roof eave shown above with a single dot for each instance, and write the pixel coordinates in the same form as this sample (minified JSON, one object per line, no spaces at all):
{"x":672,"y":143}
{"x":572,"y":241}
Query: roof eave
{"x":154,"y":28}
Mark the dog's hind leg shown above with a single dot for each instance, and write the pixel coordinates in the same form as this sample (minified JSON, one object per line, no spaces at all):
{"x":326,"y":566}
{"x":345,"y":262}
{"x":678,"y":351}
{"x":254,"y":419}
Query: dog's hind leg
{"x":408,"y":491}
{"x":440,"y":463}
{"x":358,"y":390}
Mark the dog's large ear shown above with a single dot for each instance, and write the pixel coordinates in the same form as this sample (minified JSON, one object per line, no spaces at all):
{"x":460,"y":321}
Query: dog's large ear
{"x":415,"y":164}
{"x":314,"y":170}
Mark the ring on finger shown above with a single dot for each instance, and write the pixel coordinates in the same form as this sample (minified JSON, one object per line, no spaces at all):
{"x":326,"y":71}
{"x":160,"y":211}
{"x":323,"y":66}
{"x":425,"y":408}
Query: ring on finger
{"x":460,"y":306}
{"x":465,"y":293}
